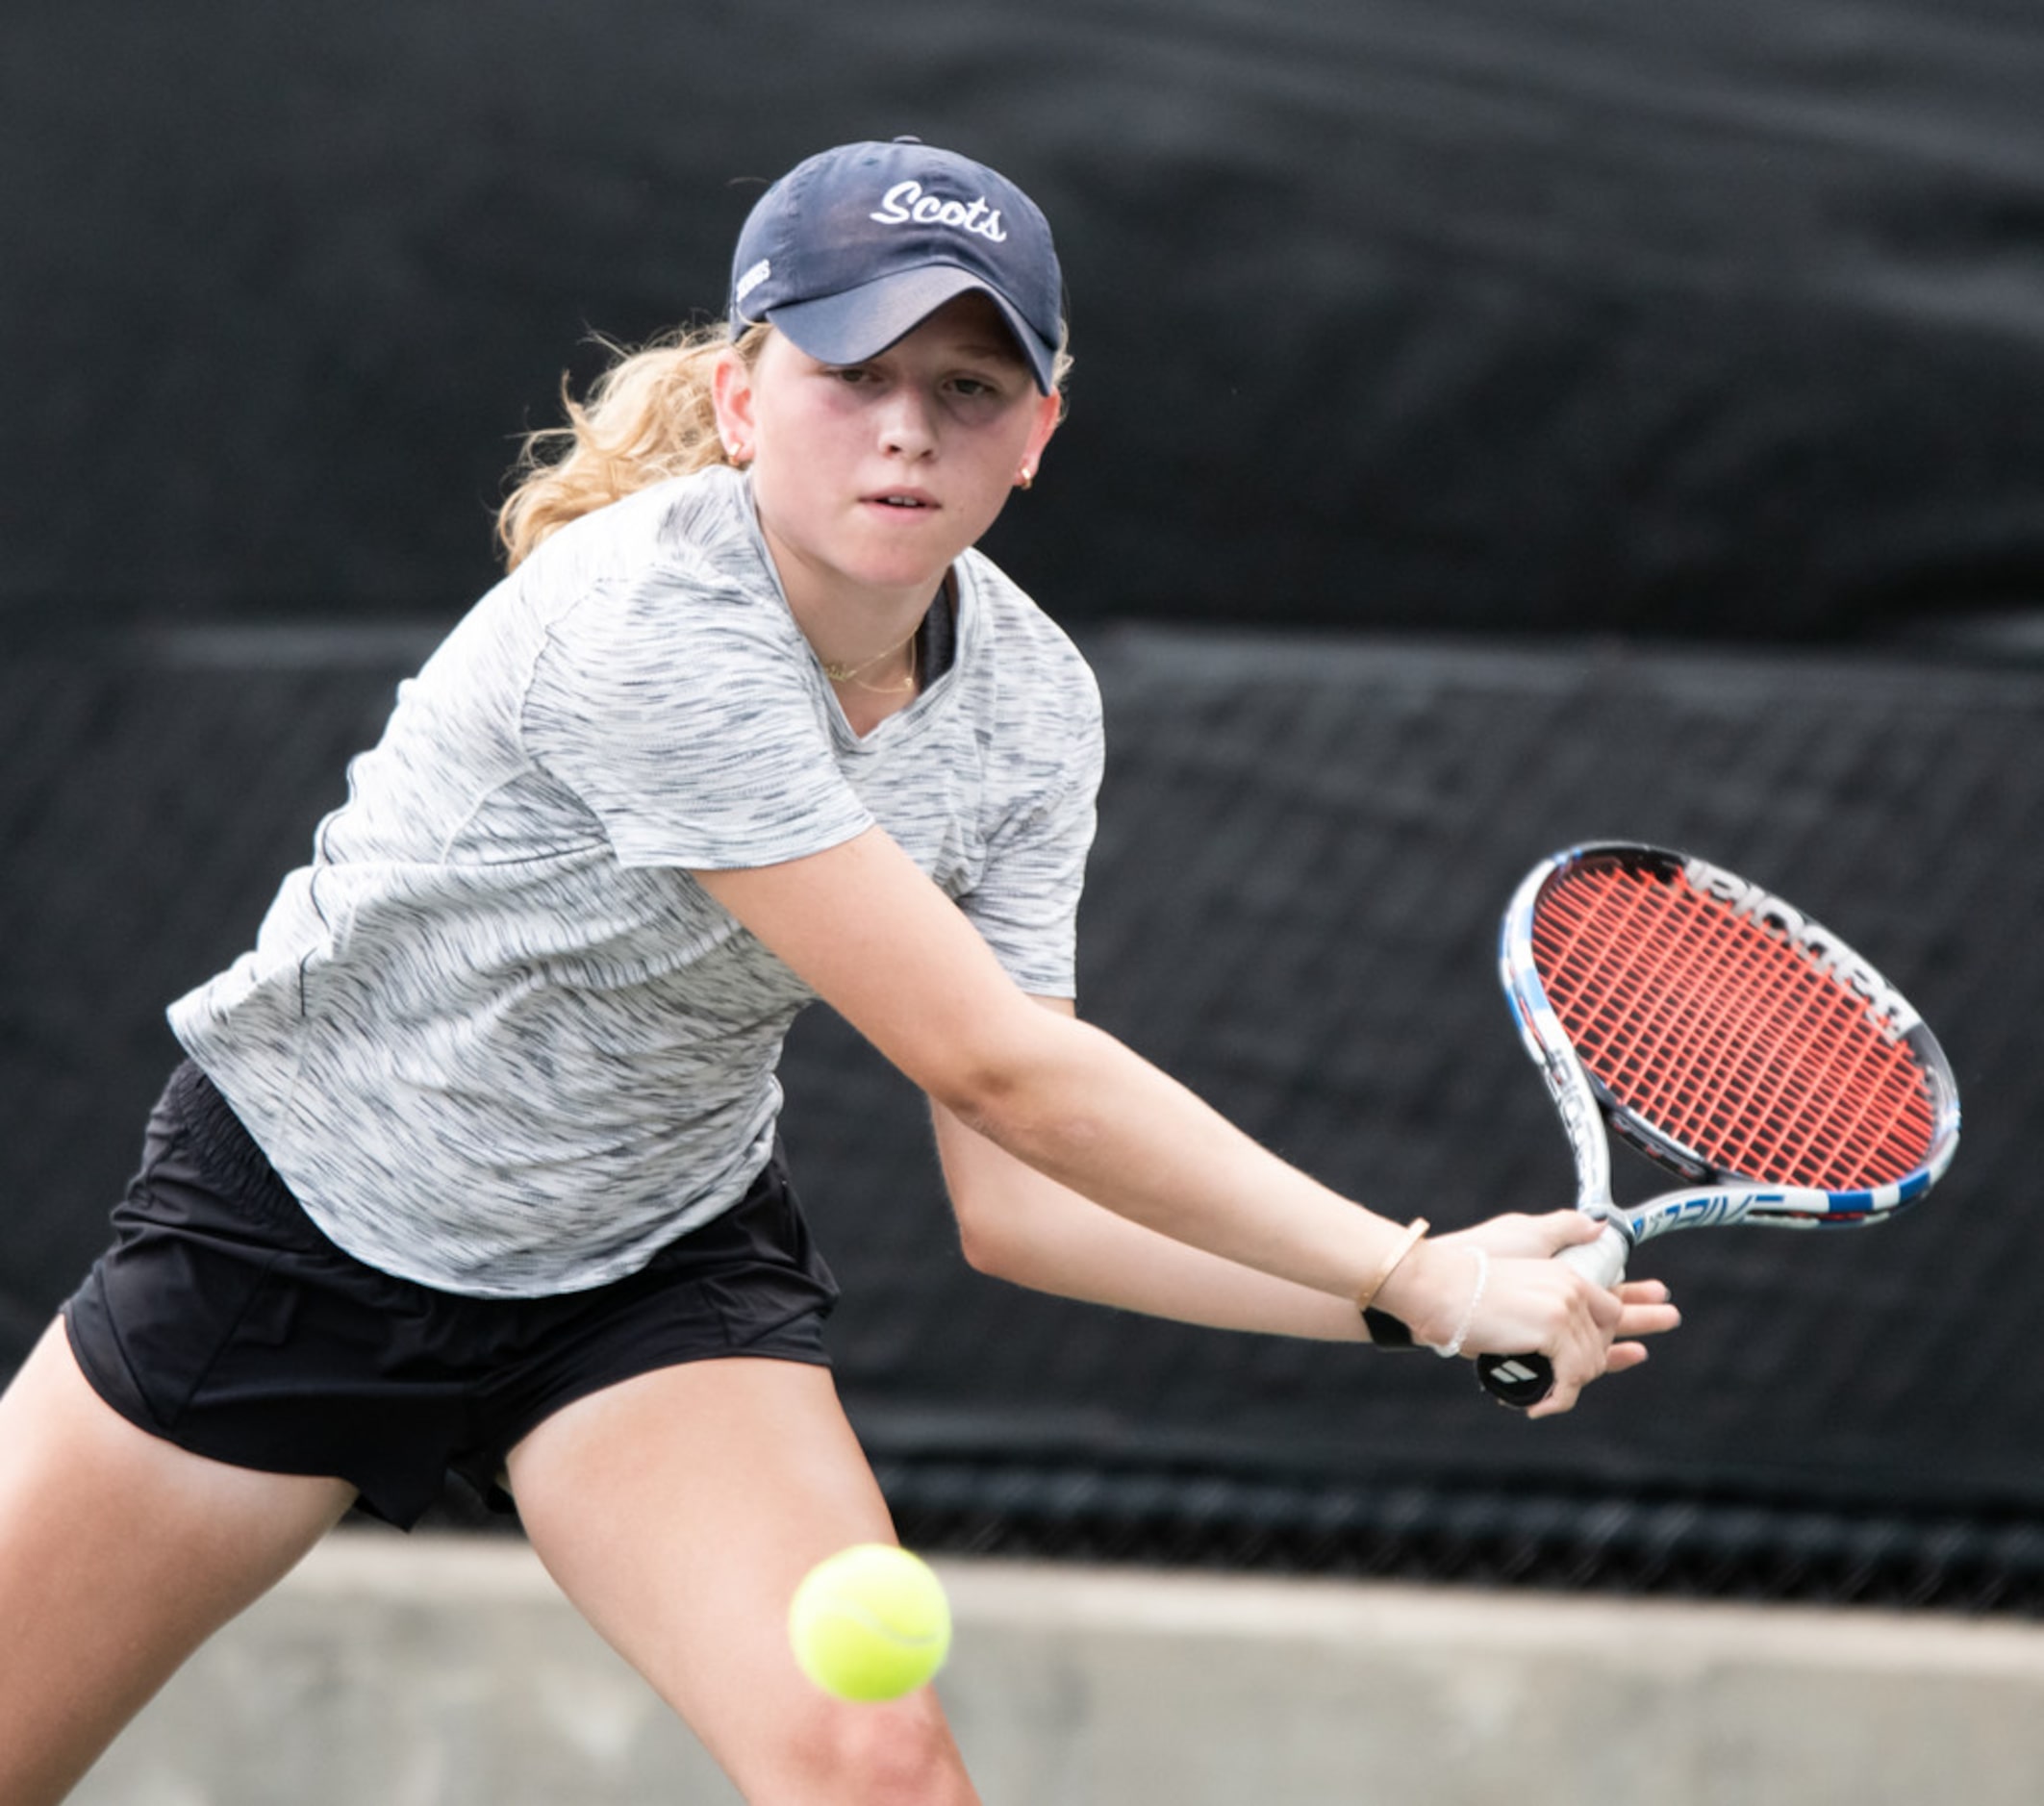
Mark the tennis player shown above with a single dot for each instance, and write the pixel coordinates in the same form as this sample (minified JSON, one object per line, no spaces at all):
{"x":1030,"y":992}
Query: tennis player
{"x":474,"y":1163}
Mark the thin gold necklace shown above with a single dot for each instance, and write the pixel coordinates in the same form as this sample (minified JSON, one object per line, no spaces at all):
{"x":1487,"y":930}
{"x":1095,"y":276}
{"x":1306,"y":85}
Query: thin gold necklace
{"x":849,"y":674}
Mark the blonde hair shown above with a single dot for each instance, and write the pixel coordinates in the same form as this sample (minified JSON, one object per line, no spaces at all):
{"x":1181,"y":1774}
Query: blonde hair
{"x":649,"y":416}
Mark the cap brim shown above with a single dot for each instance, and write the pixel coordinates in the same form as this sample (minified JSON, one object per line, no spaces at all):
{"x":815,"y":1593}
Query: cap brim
{"x":861,"y":322}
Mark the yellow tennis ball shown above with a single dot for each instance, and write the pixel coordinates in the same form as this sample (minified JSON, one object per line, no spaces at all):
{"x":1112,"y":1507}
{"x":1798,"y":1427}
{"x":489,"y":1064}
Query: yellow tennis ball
{"x":869,"y":1622}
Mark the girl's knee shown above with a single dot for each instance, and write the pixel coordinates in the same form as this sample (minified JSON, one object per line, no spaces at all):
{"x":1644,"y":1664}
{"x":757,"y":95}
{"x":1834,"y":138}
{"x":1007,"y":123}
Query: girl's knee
{"x":901,"y":1754}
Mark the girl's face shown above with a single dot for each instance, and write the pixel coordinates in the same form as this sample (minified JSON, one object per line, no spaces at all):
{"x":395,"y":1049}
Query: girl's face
{"x":870,"y":478}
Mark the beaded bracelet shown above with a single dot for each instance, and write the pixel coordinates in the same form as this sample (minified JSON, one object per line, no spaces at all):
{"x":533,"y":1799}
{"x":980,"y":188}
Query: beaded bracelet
{"x":1448,"y":1350}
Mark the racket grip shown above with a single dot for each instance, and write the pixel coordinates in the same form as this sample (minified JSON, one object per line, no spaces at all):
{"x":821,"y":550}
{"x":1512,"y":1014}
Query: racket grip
{"x":1523,"y":1381}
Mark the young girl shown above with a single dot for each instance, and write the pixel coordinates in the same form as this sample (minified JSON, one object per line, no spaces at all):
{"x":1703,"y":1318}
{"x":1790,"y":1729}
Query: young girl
{"x":474,"y":1163}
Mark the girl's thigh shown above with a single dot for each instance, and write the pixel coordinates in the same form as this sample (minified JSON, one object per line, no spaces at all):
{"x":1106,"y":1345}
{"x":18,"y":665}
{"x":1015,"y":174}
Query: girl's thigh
{"x":678,"y":1511}
{"x":119,"y":1554}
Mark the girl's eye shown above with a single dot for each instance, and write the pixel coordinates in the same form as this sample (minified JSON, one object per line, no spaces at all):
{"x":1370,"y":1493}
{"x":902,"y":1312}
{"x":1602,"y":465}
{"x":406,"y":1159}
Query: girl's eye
{"x":976,"y":388}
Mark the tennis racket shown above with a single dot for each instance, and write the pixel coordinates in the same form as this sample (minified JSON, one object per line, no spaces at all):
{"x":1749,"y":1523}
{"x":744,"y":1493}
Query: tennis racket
{"x":1728,"y":1037}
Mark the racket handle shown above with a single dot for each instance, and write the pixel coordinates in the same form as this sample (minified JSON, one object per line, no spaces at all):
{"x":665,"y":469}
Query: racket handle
{"x":1523,"y":1381}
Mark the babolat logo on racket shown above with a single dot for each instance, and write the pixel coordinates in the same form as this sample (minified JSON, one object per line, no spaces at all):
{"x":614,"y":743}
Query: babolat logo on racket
{"x":1886,"y":1005}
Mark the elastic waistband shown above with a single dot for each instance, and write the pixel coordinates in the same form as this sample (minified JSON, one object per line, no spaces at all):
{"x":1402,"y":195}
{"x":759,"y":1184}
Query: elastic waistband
{"x":222,"y":1146}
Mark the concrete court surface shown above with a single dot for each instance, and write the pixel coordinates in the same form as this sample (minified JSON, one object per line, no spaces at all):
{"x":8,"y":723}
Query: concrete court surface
{"x":443,"y":1671}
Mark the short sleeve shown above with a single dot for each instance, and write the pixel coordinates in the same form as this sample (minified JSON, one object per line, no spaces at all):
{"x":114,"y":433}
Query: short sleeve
{"x":1025,"y":904}
{"x":678,"y":712}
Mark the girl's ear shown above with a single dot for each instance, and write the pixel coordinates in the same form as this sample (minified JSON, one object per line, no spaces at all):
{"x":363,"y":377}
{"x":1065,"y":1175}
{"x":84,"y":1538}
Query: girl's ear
{"x":1049,"y":411}
{"x":731,"y":395}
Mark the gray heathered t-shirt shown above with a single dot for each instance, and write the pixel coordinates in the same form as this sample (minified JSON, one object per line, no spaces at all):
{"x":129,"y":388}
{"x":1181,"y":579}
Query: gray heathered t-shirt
{"x":494,"y":1036}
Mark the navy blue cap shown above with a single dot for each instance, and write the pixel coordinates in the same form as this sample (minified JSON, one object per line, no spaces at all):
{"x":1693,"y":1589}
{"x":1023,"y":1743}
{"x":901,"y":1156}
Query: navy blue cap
{"x":857,"y":246}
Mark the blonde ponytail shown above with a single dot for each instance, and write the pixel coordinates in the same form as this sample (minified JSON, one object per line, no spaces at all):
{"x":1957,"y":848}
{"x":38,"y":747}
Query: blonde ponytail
{"x":648,"y":417}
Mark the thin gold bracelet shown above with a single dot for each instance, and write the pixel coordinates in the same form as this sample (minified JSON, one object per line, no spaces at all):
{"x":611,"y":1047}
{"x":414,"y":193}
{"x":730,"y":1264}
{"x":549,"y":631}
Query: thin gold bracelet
{"x":1414,"y":1230}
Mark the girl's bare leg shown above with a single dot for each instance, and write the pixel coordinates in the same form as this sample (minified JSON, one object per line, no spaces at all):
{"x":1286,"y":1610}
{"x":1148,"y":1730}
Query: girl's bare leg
{"x":678,"y":1511}
{"x":119,"y":1554}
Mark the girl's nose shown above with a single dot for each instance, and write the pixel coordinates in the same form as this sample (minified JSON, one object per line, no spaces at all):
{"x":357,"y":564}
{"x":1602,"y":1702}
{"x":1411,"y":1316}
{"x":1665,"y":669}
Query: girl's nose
{"x":906,"y":428}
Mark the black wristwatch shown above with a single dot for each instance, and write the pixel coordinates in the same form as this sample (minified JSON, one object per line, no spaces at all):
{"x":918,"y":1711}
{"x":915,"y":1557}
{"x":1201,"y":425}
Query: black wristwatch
{"x":1387,"y":1331}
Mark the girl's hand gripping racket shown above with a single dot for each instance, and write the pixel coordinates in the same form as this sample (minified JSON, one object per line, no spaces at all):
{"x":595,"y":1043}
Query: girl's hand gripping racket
{"x":1728,"y":1037}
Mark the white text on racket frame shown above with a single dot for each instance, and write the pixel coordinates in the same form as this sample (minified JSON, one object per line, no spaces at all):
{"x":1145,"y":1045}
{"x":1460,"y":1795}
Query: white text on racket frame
{"x":1886,"y":1006}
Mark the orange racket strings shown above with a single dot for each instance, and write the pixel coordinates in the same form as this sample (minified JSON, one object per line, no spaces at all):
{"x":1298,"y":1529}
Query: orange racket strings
{"x":1726,"y":1039}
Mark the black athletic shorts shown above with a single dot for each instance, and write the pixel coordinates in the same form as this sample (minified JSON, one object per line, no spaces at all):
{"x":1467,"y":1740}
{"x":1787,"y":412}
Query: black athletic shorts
{"x":223,"y":1319}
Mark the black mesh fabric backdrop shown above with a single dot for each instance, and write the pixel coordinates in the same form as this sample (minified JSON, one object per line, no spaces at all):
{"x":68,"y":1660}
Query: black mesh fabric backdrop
{"x":1305,"y":841}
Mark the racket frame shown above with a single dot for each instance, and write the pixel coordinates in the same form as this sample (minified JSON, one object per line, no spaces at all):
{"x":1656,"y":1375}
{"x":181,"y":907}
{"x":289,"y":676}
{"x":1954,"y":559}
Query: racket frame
{"x":1591,"y":1117}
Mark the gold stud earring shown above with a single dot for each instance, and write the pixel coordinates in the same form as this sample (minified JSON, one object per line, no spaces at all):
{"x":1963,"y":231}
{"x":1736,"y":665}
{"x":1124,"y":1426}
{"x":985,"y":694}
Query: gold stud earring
{"x":1027,"y":480}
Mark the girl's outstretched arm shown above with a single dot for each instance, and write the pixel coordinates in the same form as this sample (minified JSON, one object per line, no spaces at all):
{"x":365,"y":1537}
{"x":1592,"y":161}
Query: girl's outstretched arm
{"x":1017,"y":1225}
{"x":894,"y":955}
